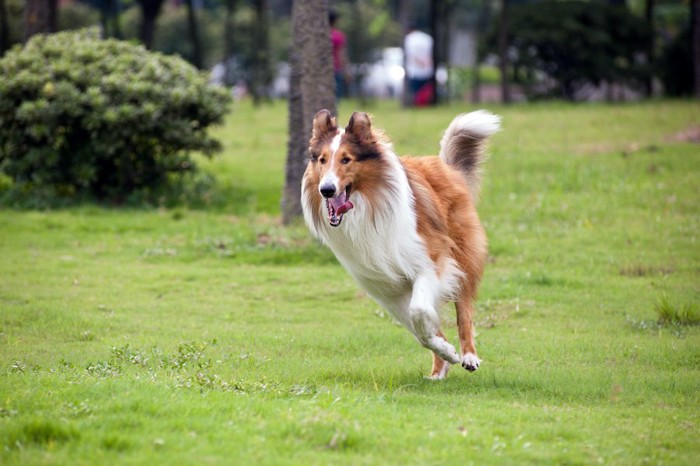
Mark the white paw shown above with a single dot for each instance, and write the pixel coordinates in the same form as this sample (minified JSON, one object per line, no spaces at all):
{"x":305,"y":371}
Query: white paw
{"x":470,"y":362}
{"x":445,"y":350}
{"x":441,"y":374}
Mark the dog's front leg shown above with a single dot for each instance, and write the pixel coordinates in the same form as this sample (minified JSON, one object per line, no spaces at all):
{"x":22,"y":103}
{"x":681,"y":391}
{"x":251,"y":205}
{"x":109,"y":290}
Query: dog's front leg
{"x":424,"y":317}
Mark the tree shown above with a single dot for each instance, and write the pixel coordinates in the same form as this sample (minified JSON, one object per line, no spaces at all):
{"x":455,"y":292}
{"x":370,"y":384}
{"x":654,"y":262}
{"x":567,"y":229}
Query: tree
{"x":150,"y":10}
{"x":574,"y":45}
{"x":40,"y":17}
{"x":483,"y":16}
{"x":503,"y":45}
{"x":109,"y":18}
{"x":404,"y":14}
{"x":4,"y":28}
{"x":194,"y":35}
{"x":649,"y":16}
{"x":228,"y":28}
{"x":695,"y":44}
{"x":439,"y":30}
{"x":261,"y":74}
{"x":312,"y":88}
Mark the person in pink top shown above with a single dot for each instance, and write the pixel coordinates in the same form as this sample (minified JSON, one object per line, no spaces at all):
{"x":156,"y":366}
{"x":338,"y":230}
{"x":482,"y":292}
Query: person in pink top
{"x":340,"y":61}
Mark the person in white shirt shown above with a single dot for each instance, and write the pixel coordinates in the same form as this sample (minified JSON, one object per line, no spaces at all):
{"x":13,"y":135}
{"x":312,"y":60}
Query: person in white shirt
{"x":418,"y":49}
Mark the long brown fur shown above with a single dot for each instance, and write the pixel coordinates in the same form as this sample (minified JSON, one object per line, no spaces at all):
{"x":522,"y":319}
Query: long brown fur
{"x":450,"y":226}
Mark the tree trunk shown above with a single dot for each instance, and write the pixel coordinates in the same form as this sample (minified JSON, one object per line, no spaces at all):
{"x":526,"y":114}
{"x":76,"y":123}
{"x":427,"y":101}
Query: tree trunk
{"x":482,"y":20}
{"x":228,"y":31}
{"x":104,"y":18}
{"x":150,"y":10}
{"x":649,"y":15}
{"x":440,"y":29}
{"x":312,"y":88}
{"x":503,"y":46}
{"x":296,"y":144}
{"x":40,"y":17}
{"x":405,"y":13}
{"x":4,"y":29}
{"x":261,"y":62}
{"x":435,"y":26}
{"x":115,"y":13}
{"x":695,"y":44}
{"x":194,"y":36}
{"x":53,"y":15}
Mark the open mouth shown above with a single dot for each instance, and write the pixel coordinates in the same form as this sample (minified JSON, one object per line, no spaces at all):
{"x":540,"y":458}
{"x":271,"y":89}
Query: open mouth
{"x":337,"y":206}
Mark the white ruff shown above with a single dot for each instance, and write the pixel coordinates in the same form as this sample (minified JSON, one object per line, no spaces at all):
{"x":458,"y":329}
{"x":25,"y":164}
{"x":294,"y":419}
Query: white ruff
{"x":388,"y":258}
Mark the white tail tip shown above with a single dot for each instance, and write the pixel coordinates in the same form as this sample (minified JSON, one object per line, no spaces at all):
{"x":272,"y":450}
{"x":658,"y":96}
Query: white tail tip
{"x":480,"y":123}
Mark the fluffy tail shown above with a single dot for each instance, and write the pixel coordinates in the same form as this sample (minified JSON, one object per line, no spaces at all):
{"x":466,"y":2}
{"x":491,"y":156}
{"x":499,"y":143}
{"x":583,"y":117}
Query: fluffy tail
{"x":464,"y":145}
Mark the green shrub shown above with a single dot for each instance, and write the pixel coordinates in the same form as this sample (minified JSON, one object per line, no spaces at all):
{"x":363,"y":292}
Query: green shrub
{"x":84,"y":116}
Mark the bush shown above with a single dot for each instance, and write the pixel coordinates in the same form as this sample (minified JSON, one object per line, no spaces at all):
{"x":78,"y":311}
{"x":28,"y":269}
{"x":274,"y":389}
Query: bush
{"x":80,"y":115}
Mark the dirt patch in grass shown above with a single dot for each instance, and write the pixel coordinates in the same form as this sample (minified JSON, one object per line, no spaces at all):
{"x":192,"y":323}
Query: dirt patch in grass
{"x":638,"y":270}
{"x":690,"y":134}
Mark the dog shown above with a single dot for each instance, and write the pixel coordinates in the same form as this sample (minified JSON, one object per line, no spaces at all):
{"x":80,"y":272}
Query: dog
{"x":405,"y":228}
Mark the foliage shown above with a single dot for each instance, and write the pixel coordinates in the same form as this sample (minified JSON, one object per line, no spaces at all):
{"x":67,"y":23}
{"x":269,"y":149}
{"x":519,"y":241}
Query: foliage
{"x":15,"y":22}
{"x":76,"y":16}
{"x":173,"y":28}
{"x":80,"y":115}
{"x":368,"y":26}
{"x":461,"y":80}
{"x":172,"y":36}
{"x":576,"y":43}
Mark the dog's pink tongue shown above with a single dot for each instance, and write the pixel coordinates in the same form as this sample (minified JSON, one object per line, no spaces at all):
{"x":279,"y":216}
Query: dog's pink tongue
{"x":347,"y":205}
{"x":340,"y":204}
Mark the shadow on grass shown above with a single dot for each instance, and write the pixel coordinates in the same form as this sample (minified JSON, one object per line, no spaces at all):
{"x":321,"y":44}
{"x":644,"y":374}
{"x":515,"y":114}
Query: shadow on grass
{"x":197,"y":191}
{"x":551,"y":387}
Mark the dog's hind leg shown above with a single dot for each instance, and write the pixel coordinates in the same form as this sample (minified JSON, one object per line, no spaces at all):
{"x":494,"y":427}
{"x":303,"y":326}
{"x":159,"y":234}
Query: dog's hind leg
{"x":440,"y":366}
{"x":425,"y":319}
{"x":465,"y":311}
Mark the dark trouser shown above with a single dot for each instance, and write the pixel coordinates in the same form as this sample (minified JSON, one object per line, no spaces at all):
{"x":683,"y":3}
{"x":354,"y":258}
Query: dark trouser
{"x":339,"y":85}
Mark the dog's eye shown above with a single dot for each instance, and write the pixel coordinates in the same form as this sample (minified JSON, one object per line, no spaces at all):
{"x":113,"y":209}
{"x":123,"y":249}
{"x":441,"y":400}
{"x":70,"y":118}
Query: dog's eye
{"x":323,"y":161}
{"x":313,"y":157}
{"x":345,"y":160}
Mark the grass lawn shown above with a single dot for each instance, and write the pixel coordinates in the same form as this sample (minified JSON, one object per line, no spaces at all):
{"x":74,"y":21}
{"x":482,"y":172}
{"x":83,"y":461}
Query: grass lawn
{"x":214,"y":335}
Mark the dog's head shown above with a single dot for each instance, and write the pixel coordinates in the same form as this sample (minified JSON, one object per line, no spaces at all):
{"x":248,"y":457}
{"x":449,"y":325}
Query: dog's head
{"x":340,"y":161}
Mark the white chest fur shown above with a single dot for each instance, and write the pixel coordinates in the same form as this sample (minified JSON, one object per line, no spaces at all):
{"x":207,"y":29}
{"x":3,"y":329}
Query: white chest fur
{"x":378,"y":244}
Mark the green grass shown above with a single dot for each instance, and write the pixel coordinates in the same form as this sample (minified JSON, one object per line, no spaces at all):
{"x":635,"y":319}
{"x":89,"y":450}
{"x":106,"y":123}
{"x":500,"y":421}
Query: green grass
{"x":213,"y":335}
{"x":674,"y":313}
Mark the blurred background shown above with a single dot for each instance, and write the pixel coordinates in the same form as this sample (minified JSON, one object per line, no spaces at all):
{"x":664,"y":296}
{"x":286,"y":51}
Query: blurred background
{"x":484,"y":50}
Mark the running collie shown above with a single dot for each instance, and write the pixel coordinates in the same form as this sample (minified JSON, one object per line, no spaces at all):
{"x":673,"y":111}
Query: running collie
{"x":405,"y":228}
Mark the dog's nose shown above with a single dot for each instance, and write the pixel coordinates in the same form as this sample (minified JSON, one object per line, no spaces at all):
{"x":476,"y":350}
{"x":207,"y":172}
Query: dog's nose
{"x":327,"y":190}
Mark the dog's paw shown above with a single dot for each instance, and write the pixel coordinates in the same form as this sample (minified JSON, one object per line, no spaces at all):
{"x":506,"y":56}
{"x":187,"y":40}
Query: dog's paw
{"x":439,"y":374}
{"x":449,"y":354}
{"x":470,"y":362}
{"x":445,"y":350}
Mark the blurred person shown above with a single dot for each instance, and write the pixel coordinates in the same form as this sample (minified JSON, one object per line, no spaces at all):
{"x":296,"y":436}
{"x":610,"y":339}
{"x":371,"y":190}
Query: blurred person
{"x":340,"y":56}
{"x":418,"y":49}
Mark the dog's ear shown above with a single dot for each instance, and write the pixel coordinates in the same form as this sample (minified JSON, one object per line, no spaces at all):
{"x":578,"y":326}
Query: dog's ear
{"x":360,"y":126}
{"x":324,"y":123}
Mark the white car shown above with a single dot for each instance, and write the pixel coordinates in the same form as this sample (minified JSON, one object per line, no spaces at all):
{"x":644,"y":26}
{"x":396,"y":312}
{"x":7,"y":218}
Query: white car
{"x":385,"y":76}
